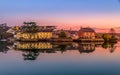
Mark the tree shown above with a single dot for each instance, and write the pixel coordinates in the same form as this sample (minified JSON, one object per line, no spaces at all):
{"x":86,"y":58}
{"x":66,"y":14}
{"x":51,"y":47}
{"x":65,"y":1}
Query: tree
{"x":62,"y":34}
{"x":62,"y":48}
{"x":30,"y":27}
{"x":106,"y":37}
{"x":112,"y":31}
{"x":31,"y":54}
{"x":110,"y":38}
{"x":105,"y":45}
{"x":113,"y":39}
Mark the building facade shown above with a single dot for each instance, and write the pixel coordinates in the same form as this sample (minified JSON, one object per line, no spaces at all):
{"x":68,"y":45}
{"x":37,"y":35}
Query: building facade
{"x":33,"y":36}
{"x":87,"y":33}
{"x":32,"y":32}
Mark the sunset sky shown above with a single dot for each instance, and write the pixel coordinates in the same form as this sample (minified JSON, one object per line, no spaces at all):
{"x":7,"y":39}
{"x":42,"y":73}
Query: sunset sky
{"x":63,"y":13}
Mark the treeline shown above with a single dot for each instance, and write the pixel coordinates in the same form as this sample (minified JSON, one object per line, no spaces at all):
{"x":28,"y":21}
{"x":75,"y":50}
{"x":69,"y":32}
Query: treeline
{"x":110,"y":38}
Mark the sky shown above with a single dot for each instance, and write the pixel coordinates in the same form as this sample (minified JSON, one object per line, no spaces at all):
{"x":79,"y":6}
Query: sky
{"x":62,"y":13}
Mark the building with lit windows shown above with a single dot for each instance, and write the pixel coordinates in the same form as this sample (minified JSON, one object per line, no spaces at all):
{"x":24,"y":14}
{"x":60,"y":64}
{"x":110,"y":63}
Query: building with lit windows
{"x":87,"y":33}
{"x":33,"y":36}
{"x":32,"y":32}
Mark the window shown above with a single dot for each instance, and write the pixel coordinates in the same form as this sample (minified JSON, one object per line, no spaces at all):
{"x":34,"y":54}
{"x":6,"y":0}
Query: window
{"x":85,"y":34}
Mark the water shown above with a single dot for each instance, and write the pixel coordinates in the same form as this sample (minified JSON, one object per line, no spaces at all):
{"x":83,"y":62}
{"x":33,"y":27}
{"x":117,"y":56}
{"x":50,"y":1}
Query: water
{"x":59,"y":59}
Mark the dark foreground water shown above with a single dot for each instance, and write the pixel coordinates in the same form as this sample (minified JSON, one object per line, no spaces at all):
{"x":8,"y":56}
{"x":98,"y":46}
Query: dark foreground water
{"x":59,"y":59}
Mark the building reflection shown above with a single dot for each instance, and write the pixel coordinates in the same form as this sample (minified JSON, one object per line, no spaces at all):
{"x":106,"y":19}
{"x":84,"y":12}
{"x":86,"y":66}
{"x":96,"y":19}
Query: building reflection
{"x":86,"y":47}
{"x":32,"y":45}
{"x":47,"y":47}
{"x":31,"y":50}
{"x":30,"y":54}
{"x":112,"y":47}
{"x":3,"y":47}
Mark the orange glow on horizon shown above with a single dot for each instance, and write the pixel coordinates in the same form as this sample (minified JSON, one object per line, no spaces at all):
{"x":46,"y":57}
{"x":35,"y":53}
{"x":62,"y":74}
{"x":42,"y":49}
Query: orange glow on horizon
{"x":70,"y":21}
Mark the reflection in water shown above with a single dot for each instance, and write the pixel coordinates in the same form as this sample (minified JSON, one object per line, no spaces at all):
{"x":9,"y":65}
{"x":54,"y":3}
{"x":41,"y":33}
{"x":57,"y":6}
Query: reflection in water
{"x":30,"y":54}
{"x":33,"y":45}
{"x":62,"y":48}
{"x":3,"y":47}
{"x":110,"y":46}
{"x":31,"y":50}
{"x":86,"y":48}
{"x":52,"y":58}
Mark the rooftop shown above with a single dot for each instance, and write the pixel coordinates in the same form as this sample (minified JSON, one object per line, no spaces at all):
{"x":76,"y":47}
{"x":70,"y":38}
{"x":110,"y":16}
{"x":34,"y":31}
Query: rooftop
{"x":87,"y":29}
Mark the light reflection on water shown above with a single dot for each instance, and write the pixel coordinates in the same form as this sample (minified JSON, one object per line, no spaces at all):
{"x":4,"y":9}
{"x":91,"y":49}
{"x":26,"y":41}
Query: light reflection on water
{"x":44,"y":58}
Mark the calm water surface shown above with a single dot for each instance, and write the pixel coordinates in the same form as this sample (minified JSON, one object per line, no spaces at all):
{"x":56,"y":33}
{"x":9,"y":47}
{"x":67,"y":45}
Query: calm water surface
{"x":59,"y":59}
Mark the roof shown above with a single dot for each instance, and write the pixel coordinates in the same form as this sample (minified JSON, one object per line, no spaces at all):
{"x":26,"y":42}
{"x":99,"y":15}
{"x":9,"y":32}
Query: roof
{"x":87,"y":30}
{"x":37,"y":28}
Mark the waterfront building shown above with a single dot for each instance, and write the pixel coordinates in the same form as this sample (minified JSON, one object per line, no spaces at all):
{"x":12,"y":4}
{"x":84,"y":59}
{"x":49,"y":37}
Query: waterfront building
{"x":87,"y":33}
{"x":69,"y":33}
{"x":33,"y":36}
{"x":13,"y":30}
{"x":73,"y":34}
{"x":32,"y":32}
